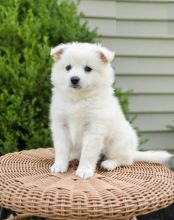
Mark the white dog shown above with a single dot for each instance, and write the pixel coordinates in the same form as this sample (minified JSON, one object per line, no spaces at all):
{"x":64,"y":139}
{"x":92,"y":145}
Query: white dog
{"x":86,"y":118}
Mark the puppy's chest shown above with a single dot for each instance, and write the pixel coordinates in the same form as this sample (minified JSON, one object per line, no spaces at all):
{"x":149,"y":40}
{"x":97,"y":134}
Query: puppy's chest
{"x":76,"y":131}
{"x":77,"y":118}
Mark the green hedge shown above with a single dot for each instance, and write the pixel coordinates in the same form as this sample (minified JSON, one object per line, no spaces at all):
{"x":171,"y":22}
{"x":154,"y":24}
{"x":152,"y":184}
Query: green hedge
{"x":28,"y":29}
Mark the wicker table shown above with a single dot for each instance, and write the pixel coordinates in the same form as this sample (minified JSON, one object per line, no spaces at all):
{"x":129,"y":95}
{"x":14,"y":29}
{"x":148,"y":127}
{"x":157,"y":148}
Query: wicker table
{"x":27,"y":187}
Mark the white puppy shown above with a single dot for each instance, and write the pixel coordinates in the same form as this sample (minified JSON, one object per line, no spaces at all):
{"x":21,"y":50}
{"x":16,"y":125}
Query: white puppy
{"x":86,"y":118}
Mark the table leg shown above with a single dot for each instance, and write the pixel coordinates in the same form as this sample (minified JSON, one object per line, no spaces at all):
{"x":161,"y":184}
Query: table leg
{"x":4,"y":213}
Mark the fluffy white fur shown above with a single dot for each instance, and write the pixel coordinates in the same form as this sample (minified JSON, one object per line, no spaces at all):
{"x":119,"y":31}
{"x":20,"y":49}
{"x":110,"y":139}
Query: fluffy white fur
{"x":87,"y":121}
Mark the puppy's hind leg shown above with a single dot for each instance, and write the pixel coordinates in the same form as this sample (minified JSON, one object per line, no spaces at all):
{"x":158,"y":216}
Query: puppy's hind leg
{"x":118,"y":160}
{"x":117,"y":155}
{"x":109,"y":164}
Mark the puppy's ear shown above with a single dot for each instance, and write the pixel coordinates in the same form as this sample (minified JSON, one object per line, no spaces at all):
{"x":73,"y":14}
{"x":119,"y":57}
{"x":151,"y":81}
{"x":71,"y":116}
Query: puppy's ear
{"x":106,"y":55}
{"x":56,"y":52}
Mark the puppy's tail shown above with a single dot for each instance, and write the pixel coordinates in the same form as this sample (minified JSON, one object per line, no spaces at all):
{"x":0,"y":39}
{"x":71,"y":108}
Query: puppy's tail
{"x":152,"y":156}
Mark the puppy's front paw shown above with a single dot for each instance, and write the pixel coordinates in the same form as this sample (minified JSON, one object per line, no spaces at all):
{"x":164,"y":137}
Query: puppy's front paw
{"x":59,"y":167}
{"x":85,"y":172}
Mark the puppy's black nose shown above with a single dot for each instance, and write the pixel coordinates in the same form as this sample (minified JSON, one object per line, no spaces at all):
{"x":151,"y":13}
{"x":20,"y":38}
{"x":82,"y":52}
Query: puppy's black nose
{"x":75,"y":80}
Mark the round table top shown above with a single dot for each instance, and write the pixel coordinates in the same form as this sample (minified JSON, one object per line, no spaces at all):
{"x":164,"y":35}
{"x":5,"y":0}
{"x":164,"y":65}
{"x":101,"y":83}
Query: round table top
{"x":27,"y":186}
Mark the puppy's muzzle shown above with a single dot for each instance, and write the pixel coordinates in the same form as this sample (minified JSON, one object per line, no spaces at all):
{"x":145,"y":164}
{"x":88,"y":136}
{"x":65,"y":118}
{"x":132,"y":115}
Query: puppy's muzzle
{"x":75,"y":81}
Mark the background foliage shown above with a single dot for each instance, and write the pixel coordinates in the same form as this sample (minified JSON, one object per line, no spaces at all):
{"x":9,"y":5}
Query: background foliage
{"x":28,"y":30}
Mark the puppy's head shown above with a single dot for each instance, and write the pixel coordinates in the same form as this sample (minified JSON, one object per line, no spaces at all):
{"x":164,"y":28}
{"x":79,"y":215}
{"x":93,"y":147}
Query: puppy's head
{"x":81,"y":66}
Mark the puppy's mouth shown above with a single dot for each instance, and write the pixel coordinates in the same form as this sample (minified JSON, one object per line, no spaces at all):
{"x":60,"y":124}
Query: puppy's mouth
{"x":75,"y":86}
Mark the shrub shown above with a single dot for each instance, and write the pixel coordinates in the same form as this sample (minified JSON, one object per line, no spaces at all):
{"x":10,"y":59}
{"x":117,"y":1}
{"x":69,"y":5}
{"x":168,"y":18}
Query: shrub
{"x":28,"y":30}
{"x":124,"y":100}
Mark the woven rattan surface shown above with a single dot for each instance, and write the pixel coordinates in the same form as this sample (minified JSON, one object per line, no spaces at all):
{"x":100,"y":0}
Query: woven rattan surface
{"x":26,"y":186}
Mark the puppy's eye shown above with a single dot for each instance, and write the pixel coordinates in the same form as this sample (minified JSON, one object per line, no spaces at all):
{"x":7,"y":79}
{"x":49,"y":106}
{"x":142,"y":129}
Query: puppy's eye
{"x":68,"y":67}
{"x":87,"y":69}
